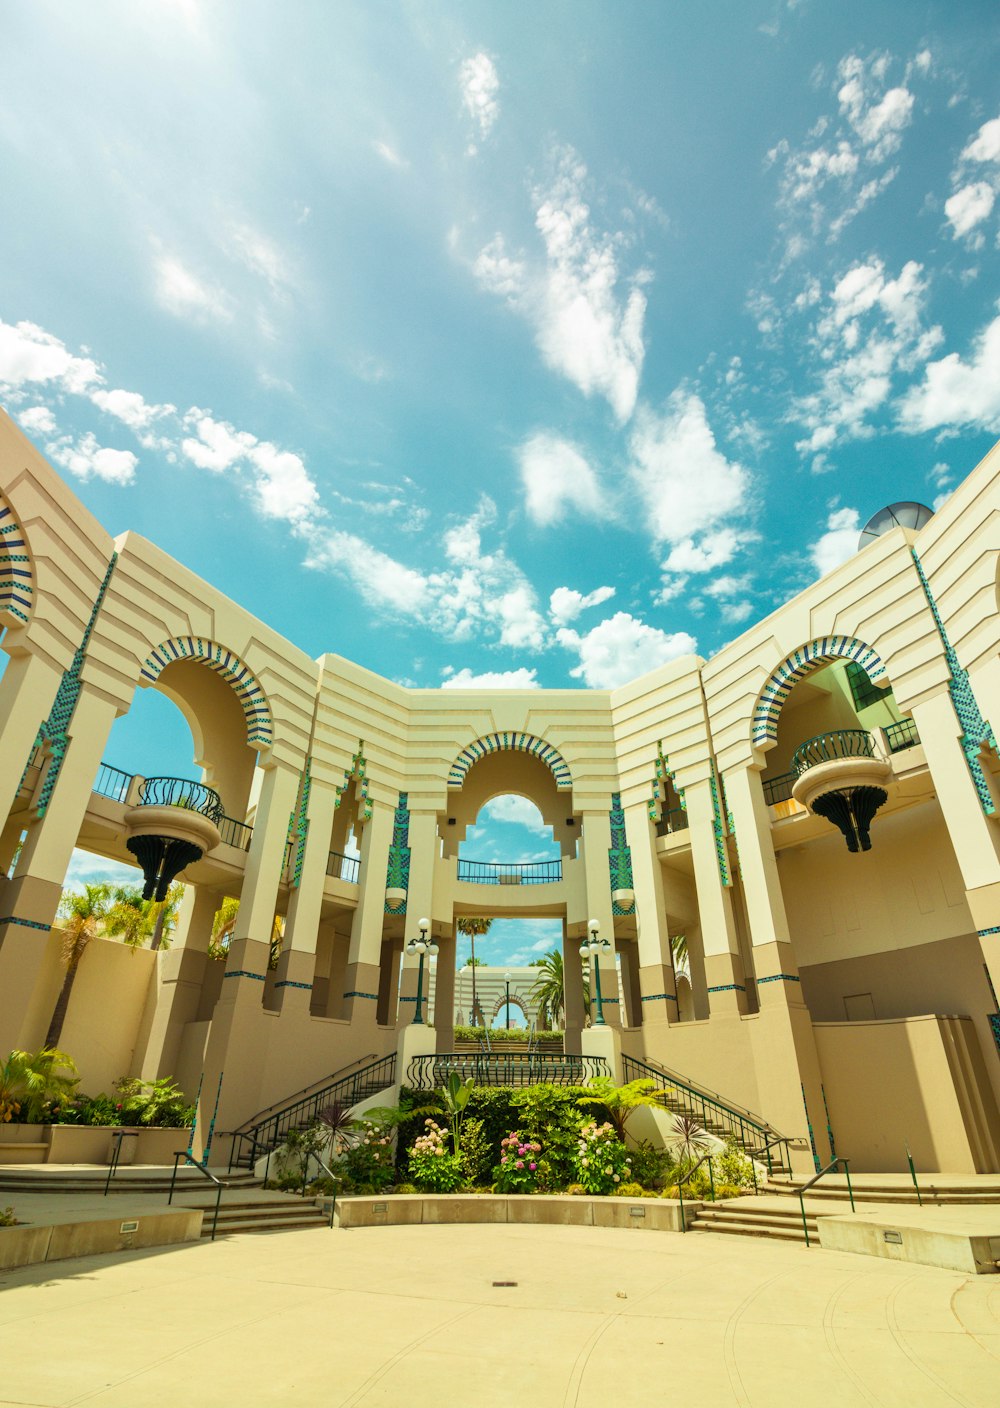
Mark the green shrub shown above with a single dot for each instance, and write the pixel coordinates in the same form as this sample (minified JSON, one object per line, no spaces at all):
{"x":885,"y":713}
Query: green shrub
{"x":652,"y":1167}
{"x":733,"y":1166}
{"x":729,"y":1190}
{"x":601,"y":1159}
{"x":518,"y":1169}
{"x":370,"y":1162}
{"x":630,"y":1190}
{"x":500,"y":1035}
{"x":577,"y":1190}
{"x":476,"y":1152}
{"x":406,"y":1188}
{"x":7,"y":1218}
{"x":432,"y":1168}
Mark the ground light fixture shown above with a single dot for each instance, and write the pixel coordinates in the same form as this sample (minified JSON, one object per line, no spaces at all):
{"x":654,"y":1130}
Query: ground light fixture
{"x":421,"y":946}
{"x":593,"y":949}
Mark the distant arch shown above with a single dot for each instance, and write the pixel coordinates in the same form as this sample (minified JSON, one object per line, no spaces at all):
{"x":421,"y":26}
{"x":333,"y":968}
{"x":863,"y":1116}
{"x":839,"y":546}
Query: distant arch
{"x":17,"y":580}
{"x":240,"y":678}
{"x":514,"y":1001}
{"x":800,"y":663}
{"x":511,"y":743}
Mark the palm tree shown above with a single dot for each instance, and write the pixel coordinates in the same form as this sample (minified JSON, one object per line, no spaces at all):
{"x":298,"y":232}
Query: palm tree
{"x":471,"y":927}
{"x":224,"y":926}
{"x":166,"y":916}
{"x":549,"y":988}
{"x":28,"y":1081}
{"x":84,"y":914}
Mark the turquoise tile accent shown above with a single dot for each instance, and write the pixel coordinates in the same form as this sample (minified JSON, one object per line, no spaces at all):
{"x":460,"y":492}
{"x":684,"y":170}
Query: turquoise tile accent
{"x":728,"y":987}
{"x":976,"y":732}
{"x":260,"y":729}
{"x":16,"y":577}
{"x":801,"y":663}
{"x":994,"y":1020}
{"x":25,"y":923}
{"x":243,"y":973}
{"x":373,"y":996}
{"x":358,"y":770}
{"x":721,"y":850}
{"x":619,"y":856}
{"x":515,"y":743}
{"x":397,"y":875}
{"x":661,"y":775}
{"x":780,"y":978}
{"x":298,"y":826}
{"x":984,"y":933}
{"x":659,"y":997}
{"x":287,"y":983}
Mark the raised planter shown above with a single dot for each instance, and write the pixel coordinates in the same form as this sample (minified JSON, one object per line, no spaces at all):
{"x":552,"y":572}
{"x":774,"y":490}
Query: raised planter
{"x":22,"y":1144}
{"x":400,"y":1209}
{"x":85,"y":1144}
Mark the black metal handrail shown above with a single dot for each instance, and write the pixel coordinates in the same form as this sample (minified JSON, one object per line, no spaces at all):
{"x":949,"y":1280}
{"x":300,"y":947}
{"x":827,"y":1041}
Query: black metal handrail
{"x":673,"y":821}
{"x":902,"y":735}
{"x":528,"y":872}
{"x":827,"y":747}
{"x":181,"y":792}
{"x":310,"y":1154}
{"x":748,"y":1129}
{"x":265,"y":1134}
{"x":342,"y":867}
{"x":814,"y":1180}
{"x":757,"y":1156}
{"x":118,"y":1135}
{"x":235,"y":833}
{"x":504,"y":1068}
{"x":112,"y":783}
{"x":203,"y":1169}
{"x":779,"y":789}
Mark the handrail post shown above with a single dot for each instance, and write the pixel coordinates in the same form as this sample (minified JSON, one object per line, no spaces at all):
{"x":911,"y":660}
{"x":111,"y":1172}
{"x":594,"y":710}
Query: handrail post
{"x":913,"y":1174}
{"x":711,"y":1180}
{"x":173,"y":1176}
{"x":680,"y":1190}
{"x":847,"y":1173}
{"x":215,"y":1218}
{"x":802,"y":1208}
{"x":113,"y":1160}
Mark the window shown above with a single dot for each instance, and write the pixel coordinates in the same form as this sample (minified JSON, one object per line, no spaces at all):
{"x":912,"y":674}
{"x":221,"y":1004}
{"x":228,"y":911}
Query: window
{"x":864,"y":692}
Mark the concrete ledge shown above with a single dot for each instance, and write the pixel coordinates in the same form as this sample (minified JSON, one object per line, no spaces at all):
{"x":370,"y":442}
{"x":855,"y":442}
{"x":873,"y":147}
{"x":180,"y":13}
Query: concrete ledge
{"x":32,"y":1242}
{"x":393,"y":1210}
{"x":958,"y":1239}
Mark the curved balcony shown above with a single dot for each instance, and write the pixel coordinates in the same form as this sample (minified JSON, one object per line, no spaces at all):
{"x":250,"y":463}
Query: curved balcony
{"x":840,"y":776}
{"x":172,"y":825}
{"x":181,"y":792}
{"x":488,"y":872}
{"x":829,"y":747}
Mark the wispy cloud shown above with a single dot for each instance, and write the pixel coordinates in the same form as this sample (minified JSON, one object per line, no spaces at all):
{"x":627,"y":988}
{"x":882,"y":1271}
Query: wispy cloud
{"x":480,"y":85}
{"x":838,"y":543}
{"x":183,"y":294}
{"x":556,"y":478}
{"x":620,"y":649}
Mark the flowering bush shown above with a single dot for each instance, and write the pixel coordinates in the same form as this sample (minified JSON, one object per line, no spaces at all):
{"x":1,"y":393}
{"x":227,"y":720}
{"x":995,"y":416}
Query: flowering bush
{"x":601,"y":1159}
{"x":370,"y":1161}
{"x":517,"y":1171}
{"x":432,"y":1167}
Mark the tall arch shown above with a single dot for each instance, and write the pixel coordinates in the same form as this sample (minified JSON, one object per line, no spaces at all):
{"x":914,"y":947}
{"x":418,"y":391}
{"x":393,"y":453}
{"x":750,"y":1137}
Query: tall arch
{"x":800,"y":663}
{"x":17,"y":584}
{"x":511,"y":743}
{"x":260,"y":729}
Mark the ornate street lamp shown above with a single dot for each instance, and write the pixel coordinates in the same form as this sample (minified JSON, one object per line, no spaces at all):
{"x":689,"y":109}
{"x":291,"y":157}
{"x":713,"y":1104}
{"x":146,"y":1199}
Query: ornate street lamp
{"x":506,"y":980}
{"x":594,"y":949}
{"x":421,"y":946}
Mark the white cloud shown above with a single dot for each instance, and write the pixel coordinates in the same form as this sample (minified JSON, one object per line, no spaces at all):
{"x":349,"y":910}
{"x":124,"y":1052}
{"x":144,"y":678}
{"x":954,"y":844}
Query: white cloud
{"x":516,"y":811}
{"x":985,"y":146}
{"x":37,"y":420}
{"x":521,"y":625}
{"x":838,"y":543}
{"x":491,"y":679}
{"x":86,"y":458}
{"x":29,"y":355}
{"x":556,"y":477}
{"x":497,"y":271}
{"x":727,"y":586}
{"x":686,"y":484}
{"x":178,"y":291}
{"x":129,"y":407}
{"x":956,"y":392}
{"x":389,"y":154}
{"x":565,"y":604}
{"x":480,"y":86}
{"x":219,"y":445}
{"x":620,"y":649}
{"x":714,"y":550}
{"x":735,"y":611}
{"x":878,"y":121}
{"x":282,"y":484}
{"x":260,"y":255}
{"x":379,"y":579}
{"x":969,"y":207}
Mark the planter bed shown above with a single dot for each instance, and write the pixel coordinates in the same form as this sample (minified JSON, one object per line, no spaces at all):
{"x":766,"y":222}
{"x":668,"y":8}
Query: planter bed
{"x":87,"y":1144}
{"x":397,"y":1209}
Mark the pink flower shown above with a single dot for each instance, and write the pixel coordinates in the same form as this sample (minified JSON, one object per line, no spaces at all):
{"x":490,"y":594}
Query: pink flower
{"x":520,"y":1163}
{"x":532,"y":1166}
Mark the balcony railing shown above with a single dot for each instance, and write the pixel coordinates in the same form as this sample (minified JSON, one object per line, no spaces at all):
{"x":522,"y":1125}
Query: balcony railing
{"x":673,"y":821}
{"x":779,"y":789}
{"x":342,"y":867}
{"x":901,"y":736}
{"x":112,"y":782}
{"x":487,"y":872}
{"x":235,"y":833}
{"x":181,"y":792}
{"x":828,"y":747}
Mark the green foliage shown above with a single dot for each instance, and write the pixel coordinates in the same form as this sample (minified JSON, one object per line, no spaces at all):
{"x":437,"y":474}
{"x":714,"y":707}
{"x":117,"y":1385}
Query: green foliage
{"x":653,"y":1167}
{"x":499,"y":1035}
{"x":7,"y":1218}
{"x":728,"y":1190}
{"x":601,"y":1160}
{"x":455,"y":1098}
{"x":432,"y":1168}
{"x":32,"y":1082}
{"x":551,"y":1114}
{"x":733,"y":1167}
{"x":630,"y":1190}
{"x":519,"y":1168}
{"x":152,"y":1102}
{"x":620,"y":1101}
{"x":406,"y":1188}
{"x":370,"y":1161}
{"x":476,"y":1152}
{"x":576,"y":1190}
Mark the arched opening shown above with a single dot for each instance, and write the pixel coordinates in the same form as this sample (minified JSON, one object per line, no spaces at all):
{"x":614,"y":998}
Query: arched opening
{"x":504,"y":791}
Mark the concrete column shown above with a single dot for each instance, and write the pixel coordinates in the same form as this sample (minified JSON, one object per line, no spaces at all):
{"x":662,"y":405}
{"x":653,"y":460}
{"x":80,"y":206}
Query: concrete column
{"x":27,"y":692}
{"x":631,"y":989}
{"x":419,"y":904}
{"x":297,"y":964}
{"x":388,"y":982}
{"x":573,"y":993}
{"x":250,"y":948}
{"x":657,"y":998}
{"x":175,"y":997}
{"x":725,"y":980}
{"x":443,"y":1005}
{"x":32,"y":897}
{"x":596,"y":829}
{"x":361,"y":978}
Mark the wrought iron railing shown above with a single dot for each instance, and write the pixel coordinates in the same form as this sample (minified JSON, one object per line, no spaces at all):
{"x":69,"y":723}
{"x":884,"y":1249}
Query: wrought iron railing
{"x":779,"y":789}
{"x":235,"y":833}
{"x":112,"y":782}
{"x":673,"y":821}
{"x":504,"y":1068}
{"x":827,"y":747}
{"x":718,"y":1114}
{"x":181,"y":792}
{"x":901,"y":736}
{"x":262,"y":1133}
{"x":814,"y":1180}
{"x":342,"y":867}
{"x":487,"y":872}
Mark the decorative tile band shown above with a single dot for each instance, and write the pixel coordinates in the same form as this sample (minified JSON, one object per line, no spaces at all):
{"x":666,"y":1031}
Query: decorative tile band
{"x":721,"y":851}
{"x":358,"y":770}
{"x":985,"y":933}
{"x":660,"y":997}
{"x":780,"y":978}
{"x":397,"y":875}
{"x":373,"y":996}
{"x":510,"y":743}
{"x":232,"y":669}
{"x":298,"y":826}
{"x":812,"y":1137}
{"x":619,"y":856}
{"x":16,"y":578}
{"x":994,"y":1020}
{"x":801,"y":663}
{"x":728,"y":987}
{"x":244,"y":973}
{"x":287,"y":983}
{"x":26,"y":923}
{"x":661,"y":776}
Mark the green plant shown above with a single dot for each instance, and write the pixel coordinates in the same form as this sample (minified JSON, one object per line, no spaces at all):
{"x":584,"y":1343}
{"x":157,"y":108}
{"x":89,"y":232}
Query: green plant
{"x":499,"y":1035}
{"x":549,"y":988}
{"x":620,"y":1101}
{"x":406,"y":1188}
{"x":153,"y":1102}
{"x":551,"y":1114}
{"x":84,"y":915}
{"x":652,"y":1167}
{"x":476,"y":1152}
{"x":576,"y":1190}
{"x":689,"y":1141}
{"x":518,"y":1169}
{"x":30,"y":1082}
{"x":732,"y":1166}
{"x":602,"y":1161}
{"x":370,"y":1162}
{"x":7,"y":1218}
{"x":431,"y":1166}
{"x":630,"y":1190}
{"x":455,"y":1097}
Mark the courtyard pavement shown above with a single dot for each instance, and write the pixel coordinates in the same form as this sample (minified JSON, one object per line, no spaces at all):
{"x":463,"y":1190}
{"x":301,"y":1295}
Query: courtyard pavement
{"x":410,"y":1316}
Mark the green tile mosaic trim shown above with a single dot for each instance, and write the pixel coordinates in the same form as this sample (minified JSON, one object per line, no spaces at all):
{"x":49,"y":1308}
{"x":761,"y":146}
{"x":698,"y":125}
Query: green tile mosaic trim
{"x":244,"y":973}
{"x":510,"y":743}
{"x":397,"y":875}
{"x":659,"y":997}
{"x":17,"y":588}
{"x":984,"y":933}
{"x":728,"y":987}
{"x":357,"y":771}
{"x":619,"y":856}
{"x":994,"y":1020}
{"x":260,"y":729}
{"x":976,"y":732}
{"x":731,"y":825}
{"x":298,"y":826}
{"x":287,"y":983}
{"x":780,"y":978}
{"x":829,"y":1127}
{"x":812,"y":1138}
{"x":802,"y":662}
{"x":54,"y":733}
{"x":373,"y":996}
{"x":25,"y":923}
{"x":721,"y":850}
{"x":661,"y":776}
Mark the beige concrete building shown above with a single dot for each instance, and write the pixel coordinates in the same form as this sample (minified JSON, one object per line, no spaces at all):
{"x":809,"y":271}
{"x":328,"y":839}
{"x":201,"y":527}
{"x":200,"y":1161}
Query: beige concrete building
{"x":815,"y":810}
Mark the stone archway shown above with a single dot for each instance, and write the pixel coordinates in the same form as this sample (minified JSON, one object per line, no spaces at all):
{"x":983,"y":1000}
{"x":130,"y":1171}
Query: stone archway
{"x":17,"y":580}
{"x":228,"y":665}
{"x":511,"y":743}
{"x":824,"y":650}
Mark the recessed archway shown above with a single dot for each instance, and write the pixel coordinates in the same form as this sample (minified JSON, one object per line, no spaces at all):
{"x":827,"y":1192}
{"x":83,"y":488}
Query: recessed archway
{"x":819,"y":652}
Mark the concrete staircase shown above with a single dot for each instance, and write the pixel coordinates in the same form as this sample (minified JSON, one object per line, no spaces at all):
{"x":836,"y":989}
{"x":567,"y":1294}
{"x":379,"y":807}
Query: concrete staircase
{"x":936,"y":1190}
{"x":261,"y":1214}
{"x":755,"y":1217}
{"x":91,"y":1178}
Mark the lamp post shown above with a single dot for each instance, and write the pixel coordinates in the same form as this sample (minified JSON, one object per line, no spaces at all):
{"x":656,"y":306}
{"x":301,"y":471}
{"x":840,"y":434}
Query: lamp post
{"x":594,"y":949}
{"x":506,"y":980}
{"x":421,"y":946}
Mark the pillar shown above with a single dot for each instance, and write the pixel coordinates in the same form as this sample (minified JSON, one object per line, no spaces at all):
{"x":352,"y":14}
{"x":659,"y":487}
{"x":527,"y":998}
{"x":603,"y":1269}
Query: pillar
{"x":175,"y":997}
{"x":596,"y":829}
{"x":443,"y":1005}
{"x":724,"y":976}
{"x":27,"y":692}
{"x":419,"y":905}
{"x":657,"y":996}
{"x":360,"y":996}
{"x":572,"y":993}
{"x":297,"y":963}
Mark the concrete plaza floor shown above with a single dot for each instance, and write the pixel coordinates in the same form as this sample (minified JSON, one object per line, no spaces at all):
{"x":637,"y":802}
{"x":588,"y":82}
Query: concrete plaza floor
{"x":410,"y":1316}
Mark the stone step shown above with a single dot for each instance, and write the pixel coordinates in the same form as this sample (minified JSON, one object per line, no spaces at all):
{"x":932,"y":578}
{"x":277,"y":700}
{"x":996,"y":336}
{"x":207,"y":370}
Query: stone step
{"x":720,"y":1216}
{"x":230,"y":1229}
{"x":753,"y":1229}
{"x":893,"y":1196}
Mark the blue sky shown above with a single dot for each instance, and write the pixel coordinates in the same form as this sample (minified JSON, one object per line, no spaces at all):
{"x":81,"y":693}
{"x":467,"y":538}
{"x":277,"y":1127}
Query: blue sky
{"x":533,"y":343}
